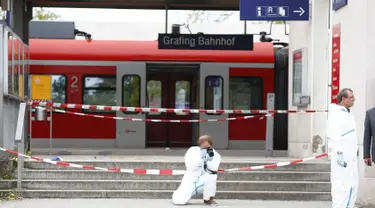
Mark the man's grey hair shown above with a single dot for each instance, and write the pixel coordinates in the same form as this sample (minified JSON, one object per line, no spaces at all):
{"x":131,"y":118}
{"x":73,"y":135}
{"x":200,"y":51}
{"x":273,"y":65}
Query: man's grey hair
{"x":343,"y":94}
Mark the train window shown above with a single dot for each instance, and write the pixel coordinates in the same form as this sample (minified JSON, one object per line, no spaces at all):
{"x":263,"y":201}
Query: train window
{"x":214,"y":93}
{"x":245,"y":93}
{"x":154,"y":94}
{"x":131,"y":92}
{"x":182,"y":95}
{"x":100,"y":82}
{"x":58,"y":88}
{"x":99,"y":90}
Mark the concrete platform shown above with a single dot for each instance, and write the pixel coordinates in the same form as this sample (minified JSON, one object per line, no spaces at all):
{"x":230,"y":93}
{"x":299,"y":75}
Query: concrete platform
{"x":163,"y":155}
{"x":137,"y":203}
{"x":177,"y":164}
{"x":150,"y":152}
{"x":173,"y":158}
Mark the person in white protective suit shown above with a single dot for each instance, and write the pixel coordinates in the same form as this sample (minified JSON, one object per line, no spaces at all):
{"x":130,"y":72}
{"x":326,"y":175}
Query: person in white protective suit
{"x":342,"y":135}
{"x":201,"y":163}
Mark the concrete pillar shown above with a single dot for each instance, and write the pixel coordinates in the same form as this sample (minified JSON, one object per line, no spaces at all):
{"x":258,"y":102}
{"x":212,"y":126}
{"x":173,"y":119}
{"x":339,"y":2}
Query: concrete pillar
{"x":305,"y":130}
{"x":367,"y":182}
{"x":357,"y":72}
{"x":357,"y":64}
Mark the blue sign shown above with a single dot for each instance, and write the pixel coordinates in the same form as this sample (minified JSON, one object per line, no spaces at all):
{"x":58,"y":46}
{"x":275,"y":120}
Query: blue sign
{"x":275,"y":10}
{"x":337,"y":4}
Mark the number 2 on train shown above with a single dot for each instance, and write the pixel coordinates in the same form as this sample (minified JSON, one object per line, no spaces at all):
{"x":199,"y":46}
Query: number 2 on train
{"x":74,"y":83}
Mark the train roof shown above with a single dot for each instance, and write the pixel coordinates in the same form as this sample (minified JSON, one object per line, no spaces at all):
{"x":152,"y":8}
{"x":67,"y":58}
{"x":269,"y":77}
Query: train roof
{"x":106,"y":50}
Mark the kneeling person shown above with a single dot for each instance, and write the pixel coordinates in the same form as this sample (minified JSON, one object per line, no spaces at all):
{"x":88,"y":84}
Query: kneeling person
{"x":201,"y":163}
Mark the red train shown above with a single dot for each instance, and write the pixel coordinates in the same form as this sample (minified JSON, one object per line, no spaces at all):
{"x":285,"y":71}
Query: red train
{"x":138,"y":74}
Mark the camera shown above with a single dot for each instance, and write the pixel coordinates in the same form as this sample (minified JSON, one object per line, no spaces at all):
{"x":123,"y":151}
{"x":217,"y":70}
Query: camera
{"x":210,"y":152}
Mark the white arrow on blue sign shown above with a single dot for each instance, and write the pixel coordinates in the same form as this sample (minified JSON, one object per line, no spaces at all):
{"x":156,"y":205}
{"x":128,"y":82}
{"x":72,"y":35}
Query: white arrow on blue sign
{"x":273,"y":10}
{"x":300,"y":11}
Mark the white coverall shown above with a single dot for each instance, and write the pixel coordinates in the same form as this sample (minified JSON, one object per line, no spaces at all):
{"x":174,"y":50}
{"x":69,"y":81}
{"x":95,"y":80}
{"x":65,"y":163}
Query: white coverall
{"x":342,"y":135}
{"x":196,"y":180}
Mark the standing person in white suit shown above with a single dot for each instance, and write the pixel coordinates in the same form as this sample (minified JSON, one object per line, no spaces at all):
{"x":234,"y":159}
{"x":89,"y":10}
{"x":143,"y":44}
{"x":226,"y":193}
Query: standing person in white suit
{"x":201,"y":163}
{"x":342,"y":135}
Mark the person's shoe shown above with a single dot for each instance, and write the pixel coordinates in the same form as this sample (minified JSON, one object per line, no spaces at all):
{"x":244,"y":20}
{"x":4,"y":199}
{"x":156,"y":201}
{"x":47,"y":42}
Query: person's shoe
{"x":211,"y":201}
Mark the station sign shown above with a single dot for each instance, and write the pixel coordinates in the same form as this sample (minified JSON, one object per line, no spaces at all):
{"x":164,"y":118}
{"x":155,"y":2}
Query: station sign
{"x":275,"y":10}
{"x":206,"y":42}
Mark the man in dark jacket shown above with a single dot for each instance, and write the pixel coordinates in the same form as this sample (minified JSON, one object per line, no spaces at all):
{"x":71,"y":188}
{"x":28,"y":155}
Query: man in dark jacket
{"x":368,"y":135}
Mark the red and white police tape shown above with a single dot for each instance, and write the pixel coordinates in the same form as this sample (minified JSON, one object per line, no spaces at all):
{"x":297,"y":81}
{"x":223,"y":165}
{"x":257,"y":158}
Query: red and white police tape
{"x":158,"y":120}
{"x":161,"y":171}
{"x":162,"y":110}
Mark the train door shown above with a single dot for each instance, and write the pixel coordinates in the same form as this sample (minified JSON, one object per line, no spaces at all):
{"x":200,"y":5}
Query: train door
{"x":170,"y":88}
{"x":131,"y":77}
{"x":248,"y":90}
{"x":214,"y":82}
